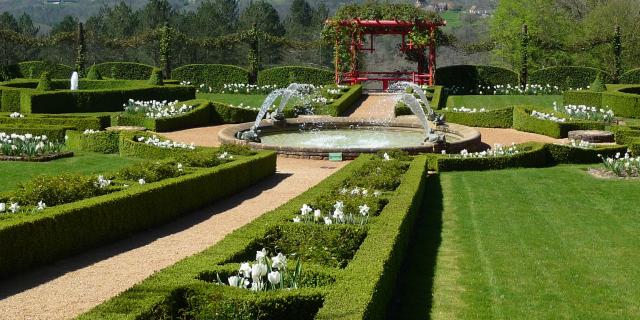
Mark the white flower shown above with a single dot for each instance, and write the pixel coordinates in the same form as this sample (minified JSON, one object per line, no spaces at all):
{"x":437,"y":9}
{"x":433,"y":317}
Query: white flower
{"x":317,"y":213}
{"x":305,"y":209}
{"x":386,"y":156}
{"x":327,"y":220}
{"x":339,"y":205}
{"x":14,"y":207}
{"x":245,"y":269}
{"x":258,"y":271}
{"x":235,"y":281}
{"x":179,"y":167}
{"x":279,"y":261}
{"x":377,"y":193}
{"x":274,"y":277}
{"x":41,"y":205}
{"x":141,"y":181}
{"x":364,"y":209}
{"x":3,"y":207}
{"x":355,"y":191}
{"x":257,"y":286}
{"x":261,"y":255}
{"x":296,"y":219}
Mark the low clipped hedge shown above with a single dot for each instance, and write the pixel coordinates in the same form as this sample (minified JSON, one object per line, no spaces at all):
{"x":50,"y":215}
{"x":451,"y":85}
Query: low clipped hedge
{"x":523,"y":121}
{"x":53,"y":132}
{"x":77,"y":122}
{"x":498,"y":118}
{"x":57,"y":232}
{"x":625,"y":135}
{"x":623,"y":104}
{"x":223,"y":113}
{"x":362,"y":290}
{"x":33,"y":69}
{"x":211,"y":75}
{"x":341,"y":105}
{"x":568,"y":77}
{"x":125,"y":70}
{"x":101,"y":142}
{"x":583,"y":97}
{"x":566,"y":154}
{"x":283,"y":76}
{"x":128,"y":147}
{"x":198,"y":117}
{"x":631,"y":77}
{"x":465,"y":79}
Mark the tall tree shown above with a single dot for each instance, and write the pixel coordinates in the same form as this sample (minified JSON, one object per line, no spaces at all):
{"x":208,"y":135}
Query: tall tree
{"x":156,"y":13}
{"x":263,"y":17}
{"x":7,"y":48}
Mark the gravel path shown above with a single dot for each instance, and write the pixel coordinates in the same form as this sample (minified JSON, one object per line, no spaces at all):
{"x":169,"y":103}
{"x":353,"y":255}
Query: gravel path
{"x":376,"y":106}
{"x":75,"y":285}
{"x":492,"y":136}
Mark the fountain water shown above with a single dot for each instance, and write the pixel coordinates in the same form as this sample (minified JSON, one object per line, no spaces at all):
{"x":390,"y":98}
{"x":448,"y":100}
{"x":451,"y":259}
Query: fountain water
{"x":415,"y":105}
{"x":74,"y":81}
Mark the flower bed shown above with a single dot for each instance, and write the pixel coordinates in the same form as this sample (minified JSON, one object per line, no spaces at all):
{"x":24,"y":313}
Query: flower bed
{"x":27,"y":240}
{"x":197,"y":114}
{"x":358,"y":287}
{"x":548,"y":124}
{"x":582,"y":112}
{"x":29,"y":147}
{"x":622,"y":166}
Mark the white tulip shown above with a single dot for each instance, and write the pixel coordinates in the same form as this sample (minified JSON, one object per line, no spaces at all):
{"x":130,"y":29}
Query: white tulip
{"x":245,"y":269}
{"x":279,"y":261}
{"x":3,"y":207}
{"x":274,"y":277}
{"x":261,"y":255}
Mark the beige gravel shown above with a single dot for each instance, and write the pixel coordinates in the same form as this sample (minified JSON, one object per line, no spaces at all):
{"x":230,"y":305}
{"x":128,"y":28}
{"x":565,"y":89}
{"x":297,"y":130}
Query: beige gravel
{"x":75,"y":285}
{"x":493,"y":136}
{"x":375,"y":106}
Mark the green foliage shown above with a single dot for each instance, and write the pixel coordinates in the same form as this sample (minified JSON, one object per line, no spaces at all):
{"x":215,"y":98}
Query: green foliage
{"x":8,"y":72}
{"x":623,"y":104}
{"x":150,"y":171}
{"x":378,"y":174}
{"x":34,"y":69}
{"x":384,"y":11}
{"x":583,"y":97}
{"x":223,"y":113}
{"x":75,"y":121}
{"x":45,"y":82}
{"x":54,"y":132}
{"x":465,"y":79}
{"x":129,"y":147}
{"x":283,"y":76}
{"x":156,"y":78}
{"x":523,"y":121}
{"x":497,"y":118}
{"x":124,"y":70}
{"x":27,"y":240}
{"x":102,"y":142}
{"x":198,"y":117}
{"x":625,"y":135}
{"x":531,"y":155}
{"x":211,"y":75}
{"x":567,"y":77}
{"x":342,"y":104}
{"x":236,"y":149}
{"x":57,"y":190}
{"x":631,"y":77}
{"x":567,"y":154}
{"x":94,"y":73}
{"x":200,"y":159}
{"x":597,"y":85}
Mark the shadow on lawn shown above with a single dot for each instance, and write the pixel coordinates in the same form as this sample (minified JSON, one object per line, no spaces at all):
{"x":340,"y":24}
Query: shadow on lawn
{"x":413,"y":294}
{"x":40,"y":275}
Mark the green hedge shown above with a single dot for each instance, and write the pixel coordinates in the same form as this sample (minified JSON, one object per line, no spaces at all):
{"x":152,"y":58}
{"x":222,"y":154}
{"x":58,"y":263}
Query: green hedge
{"x":342,"y":104}
{"x":523,"y":121}
{"x":52,"y":132}
{"x":622,"y":104}
{"x":583,"y":97}
{"x":77,"y":122}
{"x":211,"y":75}
{"x":198,"y":117}
{"x":130,"y":148}
{"x":465,"y":79}
{"x":224,"y":113}
{"x":566,"y":154}
{"x":568,"y":77}
{"x":498,"y":118}
{"x":8,"y":72}
{"x":125,"y":70}
{"x":362,"y":290}
{"x":631,"y":77}
{"x":33,"y":69}
{"x":33,"y":239}
{"x":101,"y":142}
{"x":283,"y":76}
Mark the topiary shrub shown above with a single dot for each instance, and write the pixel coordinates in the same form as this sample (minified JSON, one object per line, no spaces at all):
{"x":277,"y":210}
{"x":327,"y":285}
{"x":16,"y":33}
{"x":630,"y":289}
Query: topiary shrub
{"x":45,"y":82}
{"x":94,"y":73}
{"x":597,"y":85}
{"x":32,"y":69}
{"x":156,"y":78}
{"x":567,"y":77}
{"x":211,"y":75}
{"x":583,"y":97}
{"x":466,"y":79}
{"x":283,"y":76}
{"x":125,"y":70}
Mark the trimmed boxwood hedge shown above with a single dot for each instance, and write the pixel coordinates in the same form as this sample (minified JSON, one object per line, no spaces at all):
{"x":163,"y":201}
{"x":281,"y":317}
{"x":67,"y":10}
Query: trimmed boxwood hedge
{"x":498,"y":118}
{"x":211,"y":75}
{"x":224,"y":113}
{"x":101,"y":142}
{"x":467,"y":78}
{"x":362,"y":290}
{"x":33,"y":69}
{"x":283,"y":76}
{"x":631,"y":77}
{"x":583,"y":97}
{"x":53,"y":132}
{"x":8,"y":72}
{"x":30,"y":240}
{"x":566,"y":154}
{"x":77,"y":122}
{"x":568,"y":77}
{"x":134,"y":149}
{"x":523,"y":121}
{"x":623,"y":104}
{"x":198,"y":117}
{"x":125,"y":70}
{"x":342,"y":104}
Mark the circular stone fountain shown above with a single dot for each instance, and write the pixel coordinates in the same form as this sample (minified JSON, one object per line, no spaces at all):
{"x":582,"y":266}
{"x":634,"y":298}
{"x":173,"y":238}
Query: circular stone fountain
{"x":316,"y":137}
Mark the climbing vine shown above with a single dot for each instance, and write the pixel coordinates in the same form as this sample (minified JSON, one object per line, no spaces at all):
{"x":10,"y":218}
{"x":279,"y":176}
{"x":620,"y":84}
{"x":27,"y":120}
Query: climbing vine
{"x":165,"y":50}
{"x":81,"y":50}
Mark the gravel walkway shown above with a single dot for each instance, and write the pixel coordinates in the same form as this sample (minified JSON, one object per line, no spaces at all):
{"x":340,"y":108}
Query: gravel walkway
{"x":375,"y":106}
{"x":492,"y":136}
{"x":75,"y":285}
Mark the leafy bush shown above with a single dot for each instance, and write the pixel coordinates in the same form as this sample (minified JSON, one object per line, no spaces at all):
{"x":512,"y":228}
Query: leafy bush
{"x":597,"y":85}
{"x":567,"y":77}
{"x":124,"y":70}
{"x":200,"y":159}
{"x":237,"y":149}
{"x":8,"y":72}
{"x":211,"y":75}
{"x":465,"y":79}
{"x":523,"y":121}
{"x":342,"y":104}
{"x":33,"y":69}
{"x":583,"y":97}
{"x":623,"y":104}
{"x":45,"y":82}
{"x":283,"y":76}
{"x":102,"y":141}
{"x":57,"y":190}
{"x":378,"y":174}
{"x":77,"y":122}
{"x":498,"y":118}
{"x":151,"y":171}
{"x":156,"y":78}
{"x":530,"y":155}
{"x":631,"y":77}
{"x":94,"y":73}
{"x":567,"y":154}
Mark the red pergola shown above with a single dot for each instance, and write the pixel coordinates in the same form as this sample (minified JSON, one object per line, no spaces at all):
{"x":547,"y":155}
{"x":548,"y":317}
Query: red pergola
{"x":360,"y":28}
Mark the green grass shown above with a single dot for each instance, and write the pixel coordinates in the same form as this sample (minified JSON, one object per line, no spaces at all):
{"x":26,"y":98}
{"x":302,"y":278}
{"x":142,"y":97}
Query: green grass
{"x":551,"y":243}
{"x":14,"y":173}
{"x":496,"y":102}
{"x":453,"y":18}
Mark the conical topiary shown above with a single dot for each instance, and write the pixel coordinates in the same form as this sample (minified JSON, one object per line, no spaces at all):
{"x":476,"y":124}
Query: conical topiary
{"x":45,"y":82}
{"x":156,"y":77}
{"x":597,"y":85}
{"x":94,"y":73}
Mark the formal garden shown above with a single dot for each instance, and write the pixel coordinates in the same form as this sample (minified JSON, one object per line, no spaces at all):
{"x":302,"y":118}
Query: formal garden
{"x":483,"y":192}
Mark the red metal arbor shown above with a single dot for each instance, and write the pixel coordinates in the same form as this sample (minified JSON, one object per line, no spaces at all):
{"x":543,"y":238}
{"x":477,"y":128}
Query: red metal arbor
{"x":358,"y":29}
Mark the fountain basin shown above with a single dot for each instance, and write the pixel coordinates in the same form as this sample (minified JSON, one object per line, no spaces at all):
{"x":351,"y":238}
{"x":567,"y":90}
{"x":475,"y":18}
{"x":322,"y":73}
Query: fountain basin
{"x":316,"y":137}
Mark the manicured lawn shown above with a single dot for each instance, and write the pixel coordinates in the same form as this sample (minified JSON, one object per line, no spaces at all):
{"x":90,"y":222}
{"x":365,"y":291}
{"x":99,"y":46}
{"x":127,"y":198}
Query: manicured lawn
{"x":497,"y":102}
{"x":549,"y":243}
{"x":13,"y":173}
